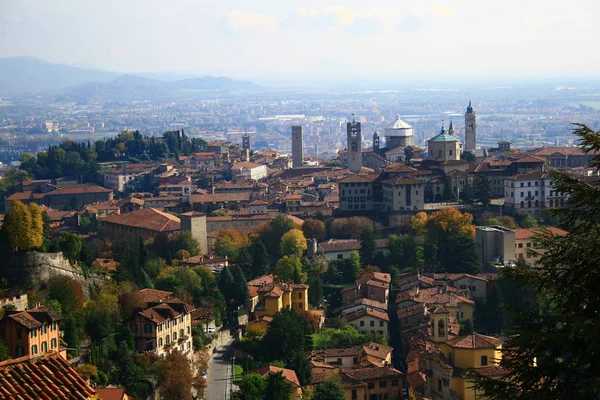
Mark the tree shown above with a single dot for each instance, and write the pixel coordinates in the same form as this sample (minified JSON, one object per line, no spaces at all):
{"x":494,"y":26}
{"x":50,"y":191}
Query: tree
{"x":468,"y":156}
{"x":175,"y":377}
{"x":274,"y":231}
{"x":331,"y":389}
{"x":127,"y":372}
{"x":554,"y":354}
{"x":448,"y":194}
{"x":260,"y":258}
{"x":405,"y":252}
{"x":18,"y":225}
{"x":71,"y":246}
{"x":277,"y":387}
{"x":350,"y":228}
{"x":288,"y":330}
{"x":315,"y":290}
{"x":36,"y":229}
{"x":293,"y":243}
{"x":227,"y":284}
{"x":184,"y":241}
{"x":302,"y":367}
{"x":67,"y":291}
{"x":229,"y":241}
{"x":314,"y":229}
{"x":4,"y":353}
{"x":409,"y":154}
{"x":482,"y":189}
{"x":346,"y":336}
{"x":289,"y":269}
{"x":241,"y":295}
{"x":529,"y":222}
{"x":368,"y":246}
{"x":494,"y":311}
{"x":441,"y":223}
{"x":467,"y":195}
{"x":507,"y":222}
{"x":466,"y":328}
{"x":253,"y":387}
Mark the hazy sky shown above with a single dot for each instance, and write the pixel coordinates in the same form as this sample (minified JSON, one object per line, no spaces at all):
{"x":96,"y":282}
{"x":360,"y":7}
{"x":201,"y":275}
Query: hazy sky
{"x":272,"y":39}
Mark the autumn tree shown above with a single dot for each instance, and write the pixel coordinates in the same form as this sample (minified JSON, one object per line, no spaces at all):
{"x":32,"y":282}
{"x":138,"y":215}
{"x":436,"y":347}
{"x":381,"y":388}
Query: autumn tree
{"x":229,"y":241}
{"x":23,"y":226}
{"x":293,"y":243}
{"x":350,"y":228}
{"x":289,"y":269}
{"x":314,"y":229}
{"x":272,"y":233}
{"x":175,"y":377}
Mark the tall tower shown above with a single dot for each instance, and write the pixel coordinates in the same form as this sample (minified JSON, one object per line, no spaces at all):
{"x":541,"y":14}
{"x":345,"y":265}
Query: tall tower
{"x":195,"y":223}
{"x":297,"y":146}
{"x":470,"y":129}
{"x":376,"y":141}
{"x":246,"y":147}
{"x":354,"y":145}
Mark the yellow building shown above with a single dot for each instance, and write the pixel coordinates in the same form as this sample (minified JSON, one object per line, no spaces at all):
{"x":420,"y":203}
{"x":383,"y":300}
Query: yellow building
{"x":453,"y":362}
{"x":274,"y":297}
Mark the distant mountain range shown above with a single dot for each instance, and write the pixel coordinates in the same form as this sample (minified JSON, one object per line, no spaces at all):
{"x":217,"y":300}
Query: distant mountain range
{"x":32,"y":75}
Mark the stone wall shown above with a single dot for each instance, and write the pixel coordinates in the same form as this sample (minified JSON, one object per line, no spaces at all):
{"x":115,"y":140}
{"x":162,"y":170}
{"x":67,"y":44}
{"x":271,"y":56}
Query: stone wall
{"x":33,"y":270}
{"x":19,"y":302}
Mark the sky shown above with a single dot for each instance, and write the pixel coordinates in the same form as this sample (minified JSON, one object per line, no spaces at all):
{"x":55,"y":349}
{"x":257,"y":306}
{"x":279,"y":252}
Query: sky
{"x":278,"y":40}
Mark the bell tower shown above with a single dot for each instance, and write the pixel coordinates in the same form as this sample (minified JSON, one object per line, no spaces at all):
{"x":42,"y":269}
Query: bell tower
{"x":354,"y":146}
{"x":470,"y":129}
{"x":376,"y":141}
{"x":439,"y":325}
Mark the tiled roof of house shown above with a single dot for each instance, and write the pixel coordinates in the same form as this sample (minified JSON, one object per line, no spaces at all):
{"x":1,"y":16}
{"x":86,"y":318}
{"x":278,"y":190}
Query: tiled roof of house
{"x":529,"y":176}
{"x":288,"y":374}
{"x":261,"y":280}
{"x":111,"y":393}
{"x":146,"y":218}
{"x":374,"y":373}
{"x":474,"y":341}
{"x":47,"y":377}
{"x":398,"y":180}
{"x":356,"y":178}
{"x":528,"y":233}
{"x":494,"y":370}
{"x":152,"y":295}
{"x":366,"y":311}
{"x":219,"y":197}
{"x":33,"y":318}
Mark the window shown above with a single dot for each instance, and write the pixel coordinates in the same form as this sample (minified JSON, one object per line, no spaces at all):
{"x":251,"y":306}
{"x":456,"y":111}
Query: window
{"x":372,"y":323}
{"x":395,"y":383}
{"x":371,"y":385}
{"x":44,"y":329}
{"x":355,"y":360}
{"x":188,"y":330}
{"x":147,"y":328}
{"x":354,"y":394}
{"x":53,"y":326}
{"x":174,"y":336}
{"x":522,"y":194}
{"x":19,"y":351}
{"x":53,"y":344}
{"x":181,"y":334}
{"x":33,"y":332}
{"x":34,"y":349}
{"x":340,"y":256}
{"x":299,"y":295}
{"x":362,"y":323}
{"x":339,"y":360}
{"x":528,"y":244}
{"x":520,"y":245}
{"x":168,"y":339}
{"x":380,"y":332}
{"x":160,"y":342}
{"x":44,"y":347}
{"x":484,"y":360}
{"x":382,"y":384}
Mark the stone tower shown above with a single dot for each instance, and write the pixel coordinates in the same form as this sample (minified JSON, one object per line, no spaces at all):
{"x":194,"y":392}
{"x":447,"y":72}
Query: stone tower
{"x":439,"y":325}
{"x":297,"y":146}
{"x":354,"y":146}
{"x":195,"y":223}
{"x":246,"y":147}
{"x":470,"y":129}
{"x":376,"y":141}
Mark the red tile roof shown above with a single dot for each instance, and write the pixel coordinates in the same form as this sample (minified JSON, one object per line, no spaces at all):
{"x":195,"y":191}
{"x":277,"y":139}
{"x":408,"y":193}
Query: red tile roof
{"x":146,"y":218}
{"x":47,"y":377}
{"x":111,"y":393}
{"x":366,"y":311}
{"x":152,"y":295}
{"x":475,"y":341}
{"x":528,"y":233}
{"x":288,"y":374}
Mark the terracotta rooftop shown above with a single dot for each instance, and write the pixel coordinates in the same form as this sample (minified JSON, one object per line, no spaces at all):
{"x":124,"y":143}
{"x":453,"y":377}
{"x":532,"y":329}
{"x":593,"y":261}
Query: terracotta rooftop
{"x":146,"y":218}
{"x":34,"y":317}
{"x":261,"y":280}
{"x":521,"y":234}
{"x":219,"y":197}
{"x":47,"y":377}
{"x":356,"y":178}
{"x":374,"y":373}
{"x":153,"y":295}
{"x":111,"y":393}
{"x":474,"y":341}
{"x":288,"y":374}
{"x":366,"y":311}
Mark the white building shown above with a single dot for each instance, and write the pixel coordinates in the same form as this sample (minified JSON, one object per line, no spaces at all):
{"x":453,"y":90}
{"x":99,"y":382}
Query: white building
{"x":249,"y":170}
{"x":530,"y":193}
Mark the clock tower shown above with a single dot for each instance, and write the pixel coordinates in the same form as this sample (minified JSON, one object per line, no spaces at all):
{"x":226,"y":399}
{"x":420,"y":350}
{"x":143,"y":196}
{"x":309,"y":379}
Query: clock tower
{"x":470,"y":129}
{"x":354,"y":146}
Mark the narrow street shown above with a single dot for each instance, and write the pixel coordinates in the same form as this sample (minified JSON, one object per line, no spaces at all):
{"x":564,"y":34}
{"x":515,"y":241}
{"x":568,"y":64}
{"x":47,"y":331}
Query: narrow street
{"x":218,"y":377}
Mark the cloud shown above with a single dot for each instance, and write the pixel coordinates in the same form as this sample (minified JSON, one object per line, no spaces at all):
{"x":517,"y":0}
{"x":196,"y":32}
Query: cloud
{"x":238,"y":21}
{"x":411,"y":23}
{"x":442,"y":10}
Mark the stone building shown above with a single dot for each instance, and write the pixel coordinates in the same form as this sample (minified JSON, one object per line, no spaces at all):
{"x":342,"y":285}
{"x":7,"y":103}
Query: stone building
{"x":354,"y":146}
{"x":297,"y":146}
{"x":470,"y":129}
